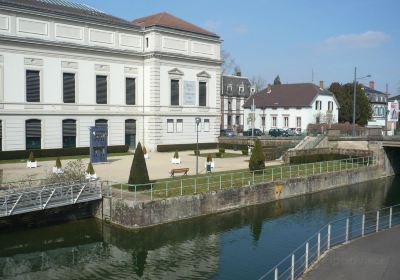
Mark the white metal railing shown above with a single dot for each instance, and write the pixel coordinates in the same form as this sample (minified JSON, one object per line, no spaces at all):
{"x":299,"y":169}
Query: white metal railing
{"x":198,"y":184}
{"x":333,"y":234}
{"x":23,"y":200}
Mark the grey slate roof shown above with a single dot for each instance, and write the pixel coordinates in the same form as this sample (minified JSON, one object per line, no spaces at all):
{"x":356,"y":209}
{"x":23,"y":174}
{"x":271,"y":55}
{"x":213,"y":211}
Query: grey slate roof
{"x":286,"y":95}
{"x":235,"y":82}
{"x":393,"y":98}
{"x":68,"y":9}
{"x":372,"y":94}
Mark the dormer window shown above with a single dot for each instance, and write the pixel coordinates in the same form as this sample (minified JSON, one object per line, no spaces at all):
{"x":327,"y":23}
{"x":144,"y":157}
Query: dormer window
{"x":252,"y":89}
{"x":229,"y":88}
{"x":241,"y":89}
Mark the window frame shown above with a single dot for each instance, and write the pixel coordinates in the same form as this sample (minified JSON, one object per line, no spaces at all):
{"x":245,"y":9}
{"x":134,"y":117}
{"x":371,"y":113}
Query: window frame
{"x":274,"y":121}
{"x":107,"y":75}
{"x":172,"y":126}
{"x":179,"y":128}
{"x":206,"y":128}
{"x":206,"y":93}
{"x":180,"y":84}
{"x":40,"y":70}
{"x":41,"y":135}
{"x":75,"y":88}
{"x":297,"y":122}
{"x":76,"y":132}
{"x":134,"y":101}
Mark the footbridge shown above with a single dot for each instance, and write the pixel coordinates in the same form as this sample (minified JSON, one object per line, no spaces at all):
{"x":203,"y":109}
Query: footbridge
{"x":19,"y":200}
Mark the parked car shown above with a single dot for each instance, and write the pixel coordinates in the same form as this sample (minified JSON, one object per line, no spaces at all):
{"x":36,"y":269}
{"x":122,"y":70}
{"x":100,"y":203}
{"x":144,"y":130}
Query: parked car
{"x":227,"y":133}
{"x":278,"y":132}
{"x":249,"y":132}
{"x":294,"y":131}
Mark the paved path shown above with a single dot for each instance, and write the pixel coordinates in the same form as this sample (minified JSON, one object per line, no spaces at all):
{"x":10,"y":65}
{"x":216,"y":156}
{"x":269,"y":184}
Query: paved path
{"x":117,"y":168}
{"x":376,"y":256}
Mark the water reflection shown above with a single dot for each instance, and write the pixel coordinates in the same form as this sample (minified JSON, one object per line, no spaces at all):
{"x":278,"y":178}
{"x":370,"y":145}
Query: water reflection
{"x":232,"y":245}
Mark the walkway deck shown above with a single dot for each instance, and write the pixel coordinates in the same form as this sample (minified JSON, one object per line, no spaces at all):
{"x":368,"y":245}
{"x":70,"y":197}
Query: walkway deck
{"x":376,"y":256}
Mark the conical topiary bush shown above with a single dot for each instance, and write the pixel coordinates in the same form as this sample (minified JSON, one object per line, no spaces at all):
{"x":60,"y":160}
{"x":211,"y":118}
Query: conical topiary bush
{"x":58,"y":163}
{"x":209,"y":158}
{"x":90,"y":169}
{"x":176,"y":155}
{"x":31,"y":157}
{"x":139,"y":174}
{"x":257,"y":159}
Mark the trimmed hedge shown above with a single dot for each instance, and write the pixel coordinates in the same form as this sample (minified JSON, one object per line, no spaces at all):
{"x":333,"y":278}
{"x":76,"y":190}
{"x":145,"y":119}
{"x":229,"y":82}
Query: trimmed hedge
{"x":317,"y":158}
{"x":23,"y":154}
{"x":234,"y":147}
{"x":185,"y":147}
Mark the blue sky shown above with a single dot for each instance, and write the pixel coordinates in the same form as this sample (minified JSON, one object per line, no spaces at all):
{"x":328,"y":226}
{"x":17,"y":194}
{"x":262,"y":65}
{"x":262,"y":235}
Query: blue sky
{"x":290,"y":38}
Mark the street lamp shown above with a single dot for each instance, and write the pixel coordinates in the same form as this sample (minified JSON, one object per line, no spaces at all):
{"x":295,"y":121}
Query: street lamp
{"x":198,"y":121}
{"x":354,"y":98}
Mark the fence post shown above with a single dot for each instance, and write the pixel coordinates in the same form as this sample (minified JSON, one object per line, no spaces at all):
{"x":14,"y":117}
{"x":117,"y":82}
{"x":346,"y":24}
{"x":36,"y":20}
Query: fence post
{"x":166,"y":189}
{"x":390,"y":217}
{"x":242,"y":179}
{"x":377,"y":221}
{"x":292,"y":269}
{"x":253,"y":177}
{"x":220,"y":181}
{"x":151,"y":192}
{"x":231,"y":180}
{"x":208,"y":183}
{"x":347,"y":229}
{"x":72,"y":194}
{"x":135,"y":193}
{"x":319,"y":246}
{"x":306,"y":256}
{"x":276,"y":273}
{"x":363,"y":225}
{"x":352,"y":163}
{"x":281,"y":173}
{"x":328,"y":245}
{"x":298,"y":170}
{"x":195,"y":184}
{"x":181,"y":187}
{"x":263,"y":177}
{"x":272,"y":174}
{"x":320,"y":167}
{"x":313,"y":169}
{"x":121,"y":190}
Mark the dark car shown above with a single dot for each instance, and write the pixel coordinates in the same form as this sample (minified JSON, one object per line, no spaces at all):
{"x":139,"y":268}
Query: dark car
{"x":278,"y":132}
{"x":227,"y":133}
{"x":249,"y":132}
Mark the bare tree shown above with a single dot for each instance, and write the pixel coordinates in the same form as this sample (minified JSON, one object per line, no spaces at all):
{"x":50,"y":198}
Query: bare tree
{"x":258,"y":82}
{"x":228,"y":62}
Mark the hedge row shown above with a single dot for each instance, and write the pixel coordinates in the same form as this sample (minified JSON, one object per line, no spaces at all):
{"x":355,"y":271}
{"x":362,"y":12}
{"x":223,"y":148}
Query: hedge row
{"x":316,"y":158}
{"x":23,"y":154}
{"x":185,"y":147}
{"x":235,"y":147}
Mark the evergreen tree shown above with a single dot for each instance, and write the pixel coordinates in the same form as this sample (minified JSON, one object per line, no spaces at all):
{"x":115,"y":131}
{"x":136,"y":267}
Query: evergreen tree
{"x":277,"y":80}
{"x":139,"y":173}
{"x":257,"y":159}
{"x":90,"y":169}
{"x":58,"y":163}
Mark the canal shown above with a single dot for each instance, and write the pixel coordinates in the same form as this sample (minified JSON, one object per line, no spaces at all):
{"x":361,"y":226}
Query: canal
{"x":241,"y":244}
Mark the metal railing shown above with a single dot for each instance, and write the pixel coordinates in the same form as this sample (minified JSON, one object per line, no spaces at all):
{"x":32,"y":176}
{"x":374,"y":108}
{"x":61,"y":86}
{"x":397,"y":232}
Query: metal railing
{"x":207,"y":183}
{"x":333,"y":234}
{"x":23,"y":200}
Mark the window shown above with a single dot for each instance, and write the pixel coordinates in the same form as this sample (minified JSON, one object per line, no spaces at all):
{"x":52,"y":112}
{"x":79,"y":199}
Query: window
{"x":32,"y":86}
{"x":101,"y":89}
{"x":241,"y":89}
{"x":179,"y":125}
{"x":33,"y":134}
{"x":274,"y":123}
{"x":206,"y":125}
{"x":130,"y":91}
{"x":318,"y":119}
{"x":330,"y":105}
{"x":101,"y":123}
{"x":69,"y":133}
{"x":229,"y":88}
{"x":237,"y":120}
{"x":298,"y":122}
{"x":237,"y":104}
{"x":174,"y":92}
{"x":318,"y":105}
{"x":286,"y":121}
{"x":263,"y":121}
{"x":147,"y":42}
{"x":130,"y":133}
{"x":69,"y":87}
{"x":229,"y":105}
{"x":170,"y":125}
{"x":202,"y":93}
{"x":229,"y":120}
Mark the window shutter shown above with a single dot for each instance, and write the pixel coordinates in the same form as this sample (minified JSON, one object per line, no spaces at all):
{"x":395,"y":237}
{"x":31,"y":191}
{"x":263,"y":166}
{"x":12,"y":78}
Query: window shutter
{"x":68,"y":88}
{"x":130,"y":91}
{"x":69,"y":128}
{"x":101,"y":89}
{"x":33,"y":128}
{"x":32,"y":86}
{"x":202,"y":93}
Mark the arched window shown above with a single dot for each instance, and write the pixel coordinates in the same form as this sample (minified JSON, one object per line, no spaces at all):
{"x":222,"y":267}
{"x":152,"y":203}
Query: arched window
{"x":33,"y":134}
{"x":130,"y":133}
{"x":69,"y":133}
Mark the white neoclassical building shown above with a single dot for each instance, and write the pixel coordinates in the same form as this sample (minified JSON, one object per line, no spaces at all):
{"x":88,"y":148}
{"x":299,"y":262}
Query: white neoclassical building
{"x":65,"y":67}
{"x":290,"y":106}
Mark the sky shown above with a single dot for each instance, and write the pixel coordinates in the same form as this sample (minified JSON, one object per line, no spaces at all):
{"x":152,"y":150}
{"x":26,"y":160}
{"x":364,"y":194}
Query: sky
{"x":293,"y":38}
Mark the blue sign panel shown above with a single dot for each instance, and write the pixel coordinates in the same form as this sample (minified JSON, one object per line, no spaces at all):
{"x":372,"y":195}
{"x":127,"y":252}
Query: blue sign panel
{"x":98,"y":143}
{"x":189,"y":93}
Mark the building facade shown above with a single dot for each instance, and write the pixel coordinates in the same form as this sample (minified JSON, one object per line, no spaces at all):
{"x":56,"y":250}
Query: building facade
{"x":235,"y":90}
{"x":290,"y":106}
{"x":378,"y":101}
{"x":65,"y":67}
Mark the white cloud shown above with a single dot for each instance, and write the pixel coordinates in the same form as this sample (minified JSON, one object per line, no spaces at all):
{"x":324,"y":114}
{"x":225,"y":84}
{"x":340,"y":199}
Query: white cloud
{"x":241,"y":29}
{"x":212,"y":25}
{"x":369,"y":39}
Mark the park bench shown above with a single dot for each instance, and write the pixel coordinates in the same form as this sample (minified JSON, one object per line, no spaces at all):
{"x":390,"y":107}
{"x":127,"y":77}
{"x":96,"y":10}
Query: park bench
{"x":179,"y":170}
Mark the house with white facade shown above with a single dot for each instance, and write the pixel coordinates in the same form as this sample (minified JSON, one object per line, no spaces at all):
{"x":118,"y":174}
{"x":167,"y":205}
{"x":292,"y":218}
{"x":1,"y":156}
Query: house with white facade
{"x":65,"y":67}
{"x":290,"y":106}
{"x":379,"y":104}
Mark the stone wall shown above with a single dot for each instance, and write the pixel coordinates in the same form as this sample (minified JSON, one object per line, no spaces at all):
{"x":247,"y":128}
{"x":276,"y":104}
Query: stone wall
{"x":325,"y":151}
{"x":136,"y":215}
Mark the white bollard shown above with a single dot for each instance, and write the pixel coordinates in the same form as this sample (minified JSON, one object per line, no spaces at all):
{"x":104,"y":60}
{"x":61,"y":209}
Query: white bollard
{"x":377,"y":221}
{"x":292,"y":272}
{"x":347,"y":229}
{"x":390,"y":217}
{"x":319,"y":246}
{"x":363,"y":225}
{"x":306,"y":256}
{"x":329,"y":237}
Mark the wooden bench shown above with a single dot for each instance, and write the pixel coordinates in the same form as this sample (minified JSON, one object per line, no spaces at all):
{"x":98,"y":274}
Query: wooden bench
{"x":179,"y":170}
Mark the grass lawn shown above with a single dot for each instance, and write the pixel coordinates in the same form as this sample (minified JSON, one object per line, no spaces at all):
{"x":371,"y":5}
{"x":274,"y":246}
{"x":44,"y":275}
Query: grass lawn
{"x":238,"y":178}
{"x":62,"y":158}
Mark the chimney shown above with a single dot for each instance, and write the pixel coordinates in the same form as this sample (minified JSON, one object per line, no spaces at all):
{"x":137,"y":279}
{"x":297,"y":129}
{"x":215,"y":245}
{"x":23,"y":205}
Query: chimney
{"x":321,"y":84}
{"x":238,"y":72}
{"x":372,"y":84}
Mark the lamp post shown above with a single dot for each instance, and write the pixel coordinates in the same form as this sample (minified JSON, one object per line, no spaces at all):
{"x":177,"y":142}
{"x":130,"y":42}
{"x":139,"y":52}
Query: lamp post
{"x":198,"y":121}
{"x":354,"y":98}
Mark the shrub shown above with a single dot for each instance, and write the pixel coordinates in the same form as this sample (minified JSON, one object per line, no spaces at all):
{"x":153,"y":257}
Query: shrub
{"x":31,"y":157}
{"x":90,"y":169}
{"x":176,"y":155}
{"x":144,"y":150}
{"x":257,"y":159}
{"x":185,"y":147}
{"x":245,"y":152}
{"x":222,"y":150}
{"x":218,"y":155}
{"x":196,"y":152}
{"x":138,"y":174}
{"x":58,"y":163}
{"x":231,"y":146}
{"x":209,"y":158}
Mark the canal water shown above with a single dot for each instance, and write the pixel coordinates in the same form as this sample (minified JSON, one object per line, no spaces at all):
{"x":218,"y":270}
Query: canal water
{"x":241,"y":244}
